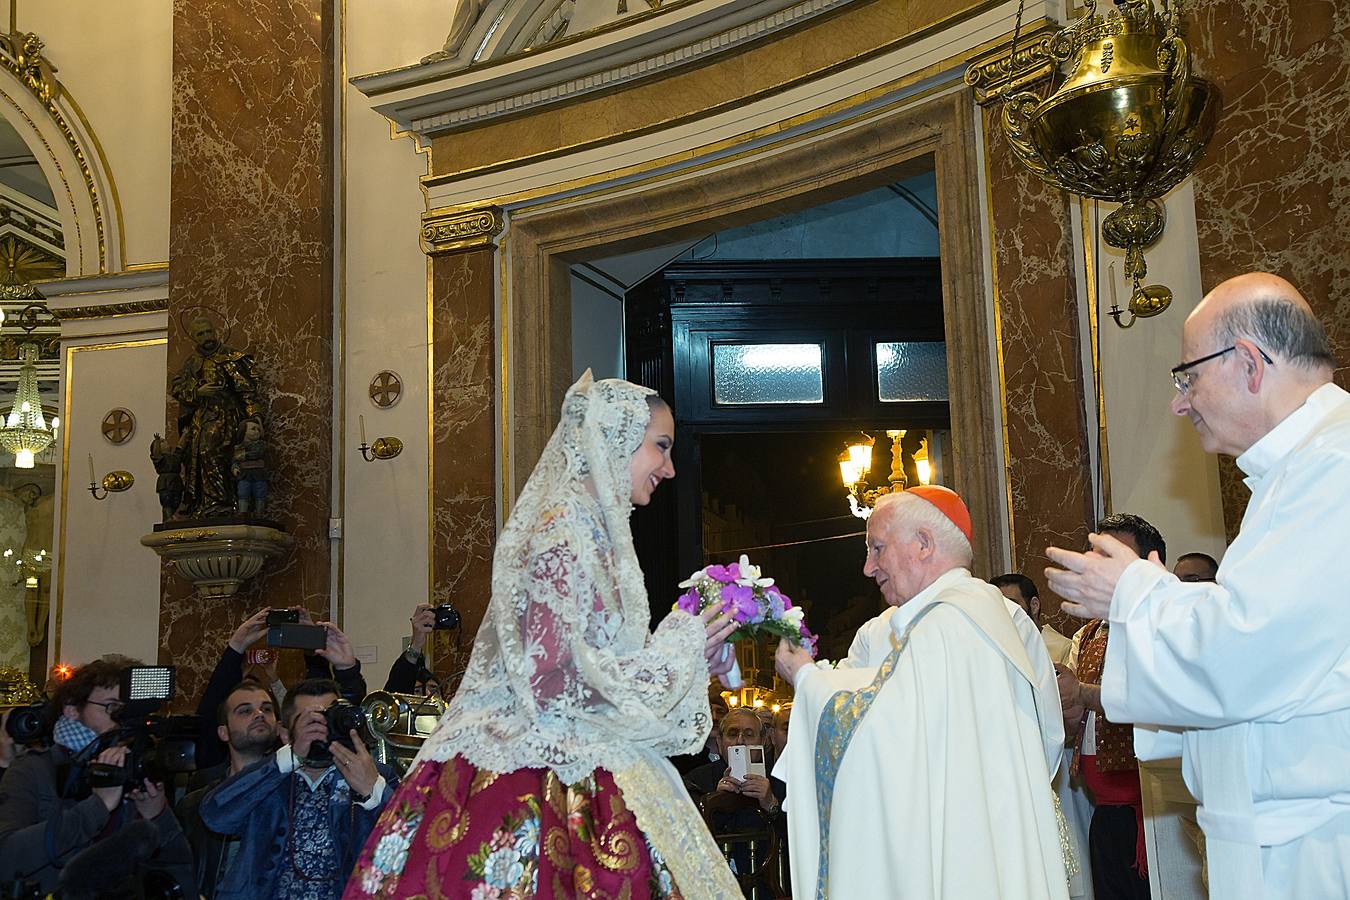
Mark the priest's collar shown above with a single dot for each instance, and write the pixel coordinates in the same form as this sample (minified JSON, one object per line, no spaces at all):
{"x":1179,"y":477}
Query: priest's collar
{"x":1277,"y":443}
{"x":905,"y":612}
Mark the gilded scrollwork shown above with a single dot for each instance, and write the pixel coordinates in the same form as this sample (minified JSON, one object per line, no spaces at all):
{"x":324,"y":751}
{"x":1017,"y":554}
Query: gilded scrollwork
{"x":446,"y":233}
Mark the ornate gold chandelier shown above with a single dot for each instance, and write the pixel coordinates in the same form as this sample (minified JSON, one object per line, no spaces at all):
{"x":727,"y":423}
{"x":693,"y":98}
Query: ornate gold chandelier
{"x":1126,"y":126}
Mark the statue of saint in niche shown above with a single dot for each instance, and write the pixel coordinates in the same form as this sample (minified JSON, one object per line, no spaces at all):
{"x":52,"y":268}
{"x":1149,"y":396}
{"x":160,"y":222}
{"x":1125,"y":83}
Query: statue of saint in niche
{"x":216,"y":390}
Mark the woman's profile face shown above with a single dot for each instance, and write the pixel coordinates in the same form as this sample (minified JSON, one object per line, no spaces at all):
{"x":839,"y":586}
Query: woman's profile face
{"x":651,"y":463}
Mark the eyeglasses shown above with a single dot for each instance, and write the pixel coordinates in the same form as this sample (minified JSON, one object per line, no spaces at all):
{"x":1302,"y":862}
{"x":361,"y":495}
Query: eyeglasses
{"x":111,"y":707}
{"x":1182,"y":379}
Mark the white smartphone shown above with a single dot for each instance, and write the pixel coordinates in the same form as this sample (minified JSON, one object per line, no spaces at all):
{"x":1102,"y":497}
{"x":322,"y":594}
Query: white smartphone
{"x":745,"y":759}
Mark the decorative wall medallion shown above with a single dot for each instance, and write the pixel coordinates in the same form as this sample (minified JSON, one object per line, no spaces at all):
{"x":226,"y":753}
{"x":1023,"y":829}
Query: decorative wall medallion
{"x":119,"y":425}
{"x":385,"y":389}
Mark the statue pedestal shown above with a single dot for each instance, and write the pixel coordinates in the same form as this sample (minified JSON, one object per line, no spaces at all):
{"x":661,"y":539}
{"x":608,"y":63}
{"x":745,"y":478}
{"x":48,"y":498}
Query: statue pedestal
{"x":219,"y":555}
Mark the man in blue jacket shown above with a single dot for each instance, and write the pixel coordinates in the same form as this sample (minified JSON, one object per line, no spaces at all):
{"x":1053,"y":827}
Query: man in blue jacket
{"x":302,"y":813}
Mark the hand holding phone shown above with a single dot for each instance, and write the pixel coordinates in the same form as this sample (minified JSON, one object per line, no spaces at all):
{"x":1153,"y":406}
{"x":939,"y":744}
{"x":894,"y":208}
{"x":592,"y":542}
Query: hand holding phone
{"x":746,"y":759}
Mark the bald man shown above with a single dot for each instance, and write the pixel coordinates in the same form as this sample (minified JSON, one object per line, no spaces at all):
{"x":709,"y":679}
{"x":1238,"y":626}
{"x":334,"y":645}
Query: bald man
{"x":1254,"y":669}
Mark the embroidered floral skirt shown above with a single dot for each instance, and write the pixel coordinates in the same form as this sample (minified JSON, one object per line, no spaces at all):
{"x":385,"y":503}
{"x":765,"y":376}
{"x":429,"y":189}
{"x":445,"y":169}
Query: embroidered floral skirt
{"x":452,"y":830}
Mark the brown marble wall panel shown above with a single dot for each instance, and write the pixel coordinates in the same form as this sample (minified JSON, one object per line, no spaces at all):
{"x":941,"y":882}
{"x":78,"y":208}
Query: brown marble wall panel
{"x":251,"y":238}
{"x":1048,"y":453}
{"x":463,"y":474}
{"x":1273,"y":191}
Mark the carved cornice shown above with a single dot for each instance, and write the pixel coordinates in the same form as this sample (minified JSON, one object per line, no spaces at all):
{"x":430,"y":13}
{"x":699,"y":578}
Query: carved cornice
{"x":112,"y":309}
{"x":442,"y":96}
{"x":457,"y":231}
{"x":990,"y":76}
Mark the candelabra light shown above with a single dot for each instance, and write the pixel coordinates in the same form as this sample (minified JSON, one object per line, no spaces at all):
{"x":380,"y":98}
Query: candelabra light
{"x":856,"y":462}
{"x":114,"y":482}
{"x":383,"y":448}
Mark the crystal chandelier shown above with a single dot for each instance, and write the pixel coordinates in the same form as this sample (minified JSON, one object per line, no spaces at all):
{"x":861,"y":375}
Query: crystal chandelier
{"x":26,"y":431}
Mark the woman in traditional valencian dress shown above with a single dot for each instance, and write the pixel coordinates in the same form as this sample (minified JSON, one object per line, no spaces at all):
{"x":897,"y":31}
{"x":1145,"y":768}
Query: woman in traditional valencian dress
{"x":547,"y":776}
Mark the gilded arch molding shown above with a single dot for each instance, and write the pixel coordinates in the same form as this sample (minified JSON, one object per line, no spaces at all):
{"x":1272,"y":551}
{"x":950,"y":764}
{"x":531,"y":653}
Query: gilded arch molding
{"x":46,"y":116}
{"x":938,"y":131}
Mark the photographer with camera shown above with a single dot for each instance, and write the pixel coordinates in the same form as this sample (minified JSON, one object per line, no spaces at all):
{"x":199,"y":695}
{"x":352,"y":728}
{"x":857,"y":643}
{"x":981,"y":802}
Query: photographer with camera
{"x":410,"y":670}
{"x":19,"y":700}
{"x":49,"y":814}
{"x":248,"y":725}
{"x":333,"y":658}
{"x":303,"y":812}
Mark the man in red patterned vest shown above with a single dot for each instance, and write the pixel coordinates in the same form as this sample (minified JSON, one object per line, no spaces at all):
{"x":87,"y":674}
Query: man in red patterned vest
{"x":1103,"y":760}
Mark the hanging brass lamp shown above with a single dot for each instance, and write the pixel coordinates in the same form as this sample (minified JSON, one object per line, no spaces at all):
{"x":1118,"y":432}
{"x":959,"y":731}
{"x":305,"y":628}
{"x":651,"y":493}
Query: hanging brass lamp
{"x":1126,"y":126}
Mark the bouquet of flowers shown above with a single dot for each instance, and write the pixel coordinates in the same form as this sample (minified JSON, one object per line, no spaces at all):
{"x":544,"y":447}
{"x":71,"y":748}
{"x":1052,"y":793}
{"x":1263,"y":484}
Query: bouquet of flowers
{"x":754,"y":602}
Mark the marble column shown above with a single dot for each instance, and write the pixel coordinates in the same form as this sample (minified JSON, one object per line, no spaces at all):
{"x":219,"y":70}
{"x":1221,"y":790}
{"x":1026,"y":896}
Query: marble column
{"x":1049,"y":463}
{"x":1271,"y":192}
{"x":461,"y":416}
{"x":251,"y":241}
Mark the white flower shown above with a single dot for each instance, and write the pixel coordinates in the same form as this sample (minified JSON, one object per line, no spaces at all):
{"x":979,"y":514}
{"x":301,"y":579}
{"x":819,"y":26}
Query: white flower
{"x":696,"y":579}
{"x":793,"y":616}
{"x":750,"y":575}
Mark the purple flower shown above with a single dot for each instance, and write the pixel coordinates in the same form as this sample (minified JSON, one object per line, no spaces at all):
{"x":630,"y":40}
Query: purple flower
{"x":776,"y":606}
{"x":689,"y":602}
{"x":787,"y":601}
{"x":734,"y":571}
{"x":740,"y":602}
{"x":720,"y":573}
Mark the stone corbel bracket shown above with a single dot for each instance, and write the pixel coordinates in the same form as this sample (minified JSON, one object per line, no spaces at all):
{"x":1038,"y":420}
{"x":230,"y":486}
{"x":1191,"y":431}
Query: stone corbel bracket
{"x":218,"y":559}
{"x":455,"y":231}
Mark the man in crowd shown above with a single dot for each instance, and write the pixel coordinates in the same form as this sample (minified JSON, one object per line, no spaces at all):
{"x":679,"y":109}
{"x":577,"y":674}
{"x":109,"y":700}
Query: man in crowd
{"x":410,"y":668}
{"x":739,"y":726}
{"x":302,"y":812}
{"x":926,"y":776}
{"x":1022,"y":590}
{"x":1104,"y":759}
{"x":1255,"y":667}
{"x":1192,"y":567}
{"x":336,"y":660}
{"x":48,"y":814}
{"x":247,"y":723}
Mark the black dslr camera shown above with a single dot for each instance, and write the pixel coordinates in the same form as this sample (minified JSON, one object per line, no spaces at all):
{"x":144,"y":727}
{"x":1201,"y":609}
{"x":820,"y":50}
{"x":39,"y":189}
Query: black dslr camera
{"x":27,"y":723}
{"x":447,"y":617}
{"x":159,"y":746}
{"x":343,"y":718}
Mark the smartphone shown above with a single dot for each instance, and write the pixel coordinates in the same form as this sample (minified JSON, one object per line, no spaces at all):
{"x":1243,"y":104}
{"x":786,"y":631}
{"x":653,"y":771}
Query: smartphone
{"x":299,"y":637}
{"x":283,"y":617}
{"x":746,"y":759}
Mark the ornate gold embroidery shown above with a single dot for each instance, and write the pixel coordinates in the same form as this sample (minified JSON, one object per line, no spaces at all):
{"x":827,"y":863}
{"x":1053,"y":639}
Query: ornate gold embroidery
{"x":446,"y":829}
{"x":581,"y":879}
{"x":558,"y":848}
{"x":482,"y":781}
{"x":674,"y":828}
{"x":617,"y":852}
{"x":448,"y":783}
{"x":555,"y":794}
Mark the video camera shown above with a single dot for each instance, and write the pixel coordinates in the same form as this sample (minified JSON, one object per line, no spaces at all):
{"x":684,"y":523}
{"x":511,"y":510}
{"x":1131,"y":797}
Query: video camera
{"x":159,"y":746}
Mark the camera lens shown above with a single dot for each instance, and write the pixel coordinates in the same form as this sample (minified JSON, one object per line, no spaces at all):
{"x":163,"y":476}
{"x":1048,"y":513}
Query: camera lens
{"x":447,"y":617}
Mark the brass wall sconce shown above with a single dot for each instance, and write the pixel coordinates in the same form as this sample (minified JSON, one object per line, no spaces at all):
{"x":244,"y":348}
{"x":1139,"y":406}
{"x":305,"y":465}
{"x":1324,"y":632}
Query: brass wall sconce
{"x":383,"y":448}
{"x":114,"y":482}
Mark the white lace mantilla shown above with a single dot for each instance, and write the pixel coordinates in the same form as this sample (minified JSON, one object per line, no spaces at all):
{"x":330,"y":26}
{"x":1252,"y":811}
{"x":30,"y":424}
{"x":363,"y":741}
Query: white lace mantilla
{"x":564,"y":672}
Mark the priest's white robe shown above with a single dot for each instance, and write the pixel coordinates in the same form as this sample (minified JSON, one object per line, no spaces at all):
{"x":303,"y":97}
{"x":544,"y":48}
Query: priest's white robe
{"x":876,"y":639}
{"x":944,"y":789}
{"x":1255,"y":668}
